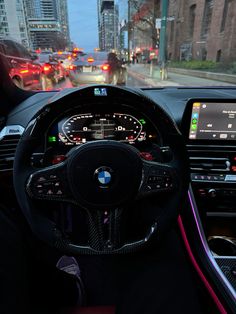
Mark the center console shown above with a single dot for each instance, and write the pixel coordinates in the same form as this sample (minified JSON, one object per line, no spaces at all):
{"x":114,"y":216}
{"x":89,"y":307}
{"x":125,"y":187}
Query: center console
{"x":209,"y":126}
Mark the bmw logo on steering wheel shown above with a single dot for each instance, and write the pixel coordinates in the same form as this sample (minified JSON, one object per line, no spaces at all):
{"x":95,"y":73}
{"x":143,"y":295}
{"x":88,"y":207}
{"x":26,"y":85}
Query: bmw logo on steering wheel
{"x":104,"y":176}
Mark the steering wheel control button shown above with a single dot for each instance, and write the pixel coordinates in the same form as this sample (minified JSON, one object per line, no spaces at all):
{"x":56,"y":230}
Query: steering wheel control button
{"x":47,"y":184}
{"x":158,"y":183}
{"x":156,"y":178}
{"x":146,"y":156}
{"x":58,"y":159}
{"x":103,"y":175}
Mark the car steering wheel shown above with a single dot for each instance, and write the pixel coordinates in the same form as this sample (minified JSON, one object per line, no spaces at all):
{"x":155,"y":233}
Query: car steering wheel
{"x":100,"y":175}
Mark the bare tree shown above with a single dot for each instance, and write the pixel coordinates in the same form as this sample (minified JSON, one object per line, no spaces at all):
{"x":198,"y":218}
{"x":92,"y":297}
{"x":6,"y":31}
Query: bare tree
{"x":144,"y":18}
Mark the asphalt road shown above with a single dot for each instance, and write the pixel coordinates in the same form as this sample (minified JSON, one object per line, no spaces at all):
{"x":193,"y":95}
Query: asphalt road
{"x":132,"y":82}
{"x":139,"y":77}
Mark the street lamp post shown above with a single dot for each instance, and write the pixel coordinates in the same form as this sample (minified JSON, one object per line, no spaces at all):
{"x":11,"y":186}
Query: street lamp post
{"x":129,"y":30}
{"x":162,"y":46}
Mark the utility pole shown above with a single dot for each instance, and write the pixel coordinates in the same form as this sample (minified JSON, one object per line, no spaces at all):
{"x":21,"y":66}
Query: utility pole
{"x":129,"y":29}
{"x":162,"y":46}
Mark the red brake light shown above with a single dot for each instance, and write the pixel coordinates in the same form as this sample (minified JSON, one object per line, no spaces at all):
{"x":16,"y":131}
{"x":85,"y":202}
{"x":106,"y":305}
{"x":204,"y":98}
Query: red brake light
{"x":47,"y":68}
{"x":24,"y":71}
{"x":72,"y":67}
{"x":90,"y":59}
{"x":105,"y":67}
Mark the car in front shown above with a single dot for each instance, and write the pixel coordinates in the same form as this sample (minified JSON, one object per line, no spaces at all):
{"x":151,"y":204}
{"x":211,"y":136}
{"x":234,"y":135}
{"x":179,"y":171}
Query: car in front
{"x":97,"y":67}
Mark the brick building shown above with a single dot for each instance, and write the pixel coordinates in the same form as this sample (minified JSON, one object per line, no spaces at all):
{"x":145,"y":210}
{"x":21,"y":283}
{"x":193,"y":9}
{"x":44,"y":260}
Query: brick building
{"x":202,"y":30}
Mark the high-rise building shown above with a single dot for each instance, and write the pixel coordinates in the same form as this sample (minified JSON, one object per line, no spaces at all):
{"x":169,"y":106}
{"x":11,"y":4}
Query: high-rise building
{"x":13,"y":23}
{"x":62,"y":13}
{"x":122,"y":24}
{"x":107,"y":25}
{"x":47,"y":23}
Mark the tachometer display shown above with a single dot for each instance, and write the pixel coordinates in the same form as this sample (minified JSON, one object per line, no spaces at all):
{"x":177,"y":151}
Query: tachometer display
{"x":82,"y":128}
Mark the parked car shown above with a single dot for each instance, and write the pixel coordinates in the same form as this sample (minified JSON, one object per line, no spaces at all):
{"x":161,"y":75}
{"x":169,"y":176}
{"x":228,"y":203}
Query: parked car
{"x":24,"y":70}
{"x":98,"y":67}
{"x":52,"y":70}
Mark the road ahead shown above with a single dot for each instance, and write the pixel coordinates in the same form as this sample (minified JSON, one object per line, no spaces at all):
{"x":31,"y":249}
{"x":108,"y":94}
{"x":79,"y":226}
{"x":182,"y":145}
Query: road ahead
{"x":132,"y":82}
{"x":139,"y":76}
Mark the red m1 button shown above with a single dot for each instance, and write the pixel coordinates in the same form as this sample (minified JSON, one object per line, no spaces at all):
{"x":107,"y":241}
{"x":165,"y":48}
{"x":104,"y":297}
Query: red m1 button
{"x":58,"y":158}
{"x":146,"y":156}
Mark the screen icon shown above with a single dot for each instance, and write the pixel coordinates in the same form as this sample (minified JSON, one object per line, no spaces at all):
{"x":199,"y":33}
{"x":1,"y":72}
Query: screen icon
{"x":193,"y":126}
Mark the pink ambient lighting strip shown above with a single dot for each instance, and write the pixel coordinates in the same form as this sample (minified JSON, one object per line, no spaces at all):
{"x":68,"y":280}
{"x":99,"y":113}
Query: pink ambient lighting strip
{"x":196,"y":266}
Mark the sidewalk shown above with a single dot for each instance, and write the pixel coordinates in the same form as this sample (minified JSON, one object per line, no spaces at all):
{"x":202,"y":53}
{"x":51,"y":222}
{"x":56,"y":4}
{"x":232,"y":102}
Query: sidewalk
{"x":179,"y":77}
{"x":141,"y":72}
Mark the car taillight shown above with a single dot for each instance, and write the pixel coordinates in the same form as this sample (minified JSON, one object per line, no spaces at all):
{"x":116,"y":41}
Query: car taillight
{"x":105,"y":67}
{"x":72,"y":67}
{"x":47,"y":68}
{"x":24,"y":71}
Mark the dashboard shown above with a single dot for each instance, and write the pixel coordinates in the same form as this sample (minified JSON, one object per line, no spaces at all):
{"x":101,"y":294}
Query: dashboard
{"x":205,"y":116}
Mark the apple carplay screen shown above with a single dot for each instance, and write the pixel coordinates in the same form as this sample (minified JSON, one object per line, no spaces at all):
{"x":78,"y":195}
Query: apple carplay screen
{"x":213,"y":121}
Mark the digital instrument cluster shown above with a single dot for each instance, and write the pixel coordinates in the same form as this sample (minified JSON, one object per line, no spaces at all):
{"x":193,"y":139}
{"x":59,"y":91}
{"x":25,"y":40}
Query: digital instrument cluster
{"x":81,"y":128}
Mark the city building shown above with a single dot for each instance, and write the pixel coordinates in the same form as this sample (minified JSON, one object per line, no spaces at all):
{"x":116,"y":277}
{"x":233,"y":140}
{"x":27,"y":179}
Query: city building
{"x":122,"y":6}
{"x":13,"y":23}
{"x":108,"y":25}
{"x":62,"y":12}
{"x":47,"y":24}
{"x":202,"y":30}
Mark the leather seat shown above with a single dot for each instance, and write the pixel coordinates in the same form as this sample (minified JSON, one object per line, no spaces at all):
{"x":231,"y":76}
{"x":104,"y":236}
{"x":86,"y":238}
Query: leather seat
{"x":91,"y":310}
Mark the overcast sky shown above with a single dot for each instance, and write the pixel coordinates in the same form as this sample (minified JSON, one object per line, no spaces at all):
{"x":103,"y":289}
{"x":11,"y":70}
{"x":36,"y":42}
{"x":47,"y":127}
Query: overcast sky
{"x":83,"y":23}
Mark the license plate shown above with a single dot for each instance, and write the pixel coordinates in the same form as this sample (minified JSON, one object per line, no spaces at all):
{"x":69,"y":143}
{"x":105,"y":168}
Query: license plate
{"x":87,"y":69}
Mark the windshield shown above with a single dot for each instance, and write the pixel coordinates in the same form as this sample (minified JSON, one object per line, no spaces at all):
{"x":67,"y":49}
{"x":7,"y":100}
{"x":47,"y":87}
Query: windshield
{"x":143,"y":43}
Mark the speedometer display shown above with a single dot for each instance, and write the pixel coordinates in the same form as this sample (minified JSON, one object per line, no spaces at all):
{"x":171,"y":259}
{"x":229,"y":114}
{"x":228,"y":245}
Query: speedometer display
{"x":81,"y":128}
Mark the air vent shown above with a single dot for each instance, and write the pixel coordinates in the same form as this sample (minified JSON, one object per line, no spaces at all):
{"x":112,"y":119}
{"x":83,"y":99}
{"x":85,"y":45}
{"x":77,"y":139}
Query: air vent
{"x":209,"y":164}
{"x":7,"y":151}
{"x":205,"y":159}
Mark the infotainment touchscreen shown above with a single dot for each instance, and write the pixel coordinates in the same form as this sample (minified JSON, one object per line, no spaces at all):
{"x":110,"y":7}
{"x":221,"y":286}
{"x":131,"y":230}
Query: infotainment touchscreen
{"x":213,"y":121}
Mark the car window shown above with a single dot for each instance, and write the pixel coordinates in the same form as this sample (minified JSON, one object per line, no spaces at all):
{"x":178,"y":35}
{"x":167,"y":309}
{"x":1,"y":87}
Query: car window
{"x":11,"y":48}
{"x":2,"y":47}
{"x":23,"y":53}
{"x":43,"y":58}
